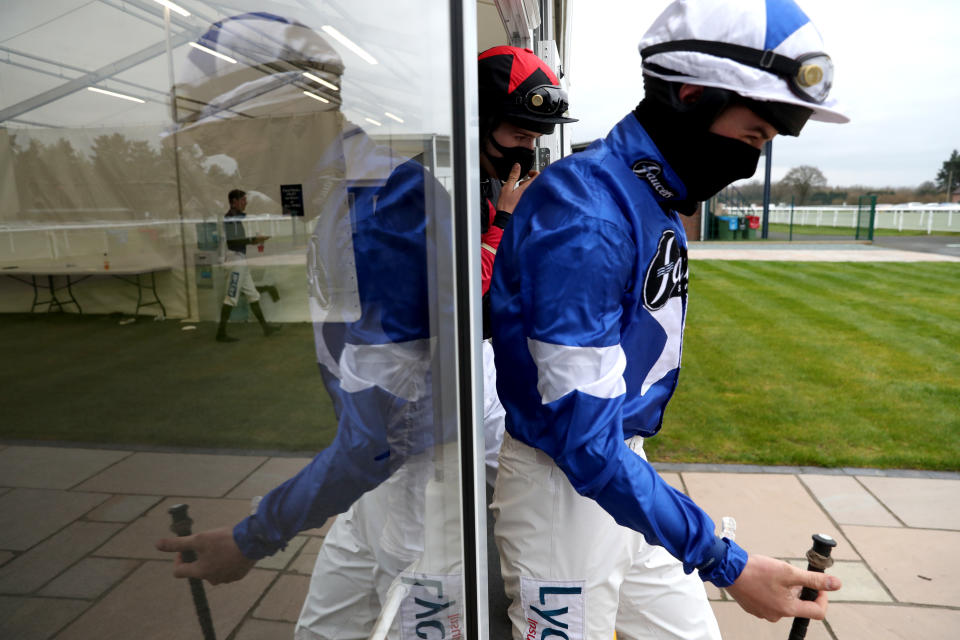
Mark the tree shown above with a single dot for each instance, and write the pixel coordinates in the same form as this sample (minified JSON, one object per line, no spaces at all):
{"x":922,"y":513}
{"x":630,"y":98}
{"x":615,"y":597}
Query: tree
{"x":751,"y":191}
{"x":801,"y":181}
{"x":51,"y":176}
{"x":949,"y":173}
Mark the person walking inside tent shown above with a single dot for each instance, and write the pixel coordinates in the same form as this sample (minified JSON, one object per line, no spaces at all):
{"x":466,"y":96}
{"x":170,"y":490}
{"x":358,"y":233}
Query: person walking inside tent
{"x":239,"y":279}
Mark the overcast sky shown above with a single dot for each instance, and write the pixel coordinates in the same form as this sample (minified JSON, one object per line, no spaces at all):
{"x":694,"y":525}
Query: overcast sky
{"x":897,"y":77}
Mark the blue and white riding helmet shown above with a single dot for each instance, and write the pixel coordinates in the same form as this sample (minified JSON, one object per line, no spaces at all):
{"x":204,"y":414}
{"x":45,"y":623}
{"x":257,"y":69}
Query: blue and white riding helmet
{"x":763,"y":50}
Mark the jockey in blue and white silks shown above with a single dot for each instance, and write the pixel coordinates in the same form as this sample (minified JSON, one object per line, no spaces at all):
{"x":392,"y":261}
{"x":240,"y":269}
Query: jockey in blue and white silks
{"x":588,"y":305}
{"x":589,"y":299}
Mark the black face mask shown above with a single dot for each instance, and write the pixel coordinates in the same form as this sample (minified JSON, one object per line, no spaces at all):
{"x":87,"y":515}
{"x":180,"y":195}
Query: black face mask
{"x":705,"y":162}
{"x":715,"y":162}
{"x":511,"y":156}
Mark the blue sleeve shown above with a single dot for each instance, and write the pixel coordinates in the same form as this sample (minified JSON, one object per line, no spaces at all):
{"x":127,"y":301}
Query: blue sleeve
{"x":383,"y":416}
{"x":358,"y":460}
{"x":576,"y":271}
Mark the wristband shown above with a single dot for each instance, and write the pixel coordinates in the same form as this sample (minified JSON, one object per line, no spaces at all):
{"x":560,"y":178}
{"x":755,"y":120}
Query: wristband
{"x":501,"y":219}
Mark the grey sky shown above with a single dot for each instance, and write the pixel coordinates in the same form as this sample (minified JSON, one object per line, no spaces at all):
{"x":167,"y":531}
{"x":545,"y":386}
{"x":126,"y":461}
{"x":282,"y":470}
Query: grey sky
{"x":897,"y":66}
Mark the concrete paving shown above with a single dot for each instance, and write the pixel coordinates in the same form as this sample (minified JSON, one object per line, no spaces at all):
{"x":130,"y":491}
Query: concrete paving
{"x":947,"y":245}
{"x":77,"y":561}
{"x":77,"y":527}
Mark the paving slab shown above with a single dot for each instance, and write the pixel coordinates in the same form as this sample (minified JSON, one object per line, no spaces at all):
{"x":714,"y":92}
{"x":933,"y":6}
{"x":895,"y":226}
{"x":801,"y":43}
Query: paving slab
{"x":27,"y":516}
{"x":152,"y":605}
{"x":174,"y":474}
{"x":68,"y":560}
{"x":123,"y":508}
{"x":89,"y":578}
{"x":918,"y":566}
{"x":36,"y":618}
{"x":673,"y":479}
{"x":735,"y":623}
{"x":307,"y":557}
{"x":137,"y":539}
{"x":284,"y":599}
{"x":892,"y":622}
{"x":53,"y":467}
{"x":714,"y":593}
{"x":31,"y":570}
{"x":279,"y":561}
{"x":848,"y":502}
{"x":859,"y":584}
{"x":920,"y":502}
{"x":265,"y":630}
{"x":272,"y":473}
{"x":775,"y":515}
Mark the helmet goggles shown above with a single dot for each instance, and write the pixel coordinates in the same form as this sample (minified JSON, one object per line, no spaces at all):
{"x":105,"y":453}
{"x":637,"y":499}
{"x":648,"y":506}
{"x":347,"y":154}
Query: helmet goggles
{"x":809,"y":77}
{"x":544,"y":100}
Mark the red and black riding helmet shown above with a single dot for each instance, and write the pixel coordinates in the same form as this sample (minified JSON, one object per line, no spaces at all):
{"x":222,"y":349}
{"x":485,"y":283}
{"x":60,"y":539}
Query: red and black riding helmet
{"x":518,"y":87}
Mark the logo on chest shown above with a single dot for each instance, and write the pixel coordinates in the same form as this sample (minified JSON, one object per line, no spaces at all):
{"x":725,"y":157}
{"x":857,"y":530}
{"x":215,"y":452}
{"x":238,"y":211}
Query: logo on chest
{"x":651,"y":172}
{"x":667,"y":274}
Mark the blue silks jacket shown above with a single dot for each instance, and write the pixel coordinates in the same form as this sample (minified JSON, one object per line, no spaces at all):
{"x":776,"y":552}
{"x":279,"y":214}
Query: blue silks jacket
{"x":376,"y":369}
{"x":589,"y":299}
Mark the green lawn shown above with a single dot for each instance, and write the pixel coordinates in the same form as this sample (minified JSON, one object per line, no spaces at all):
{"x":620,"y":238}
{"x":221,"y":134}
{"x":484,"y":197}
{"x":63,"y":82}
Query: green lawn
{"x":832,"y":364}
{"x":90,"y":379}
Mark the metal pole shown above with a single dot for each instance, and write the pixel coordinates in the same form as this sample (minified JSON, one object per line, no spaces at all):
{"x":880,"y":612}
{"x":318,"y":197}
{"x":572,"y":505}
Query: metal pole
{"x":706,"y":214}
{"x":466,"y":384}
{"x":765,"y":226}
{"x":176,"y":162}
{"x":856,"y":231}
{"x":791,"y":220}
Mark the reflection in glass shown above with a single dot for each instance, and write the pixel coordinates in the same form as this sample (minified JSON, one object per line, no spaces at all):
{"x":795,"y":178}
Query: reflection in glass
{"x":332,"y":122}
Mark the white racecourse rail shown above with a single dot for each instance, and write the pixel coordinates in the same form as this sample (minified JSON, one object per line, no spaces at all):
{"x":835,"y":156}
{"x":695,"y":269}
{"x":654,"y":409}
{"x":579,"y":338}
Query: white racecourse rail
{"x":935,"y":218}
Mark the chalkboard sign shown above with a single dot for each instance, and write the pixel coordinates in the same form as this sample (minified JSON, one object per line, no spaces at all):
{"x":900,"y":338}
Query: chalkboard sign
{"x":291,"y":199}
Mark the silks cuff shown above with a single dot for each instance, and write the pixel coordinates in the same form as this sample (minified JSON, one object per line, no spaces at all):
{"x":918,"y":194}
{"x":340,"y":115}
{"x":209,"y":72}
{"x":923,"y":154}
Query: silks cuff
{"x":724,"y":563}
{"x":252,"y":539}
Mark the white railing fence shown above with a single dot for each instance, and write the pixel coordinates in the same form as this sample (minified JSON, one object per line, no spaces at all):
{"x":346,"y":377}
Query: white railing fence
{"x":929,"y":218}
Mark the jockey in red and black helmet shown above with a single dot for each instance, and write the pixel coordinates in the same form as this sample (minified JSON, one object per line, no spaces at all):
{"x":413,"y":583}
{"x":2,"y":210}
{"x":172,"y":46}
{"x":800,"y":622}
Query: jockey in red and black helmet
{"x":520,"y":100}
{"x":518,"y":88}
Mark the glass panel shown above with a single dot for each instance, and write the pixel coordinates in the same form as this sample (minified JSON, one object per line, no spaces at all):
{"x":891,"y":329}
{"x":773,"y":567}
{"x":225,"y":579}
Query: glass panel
{"x":227,"y":245}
